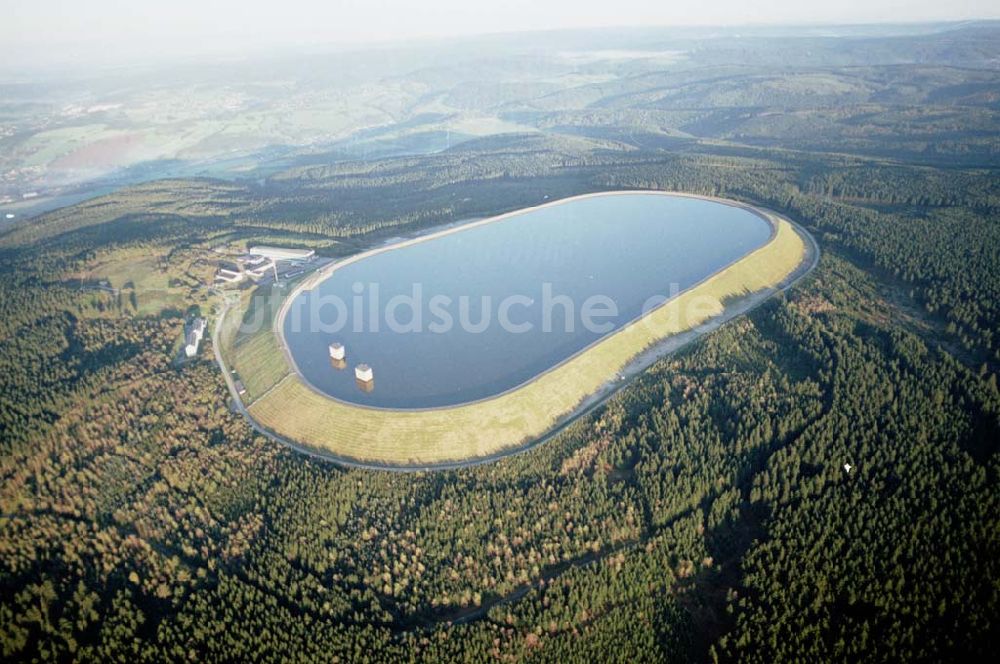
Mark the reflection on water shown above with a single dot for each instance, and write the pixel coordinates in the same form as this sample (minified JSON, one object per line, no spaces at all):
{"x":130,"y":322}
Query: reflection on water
{"x":627,"y":248}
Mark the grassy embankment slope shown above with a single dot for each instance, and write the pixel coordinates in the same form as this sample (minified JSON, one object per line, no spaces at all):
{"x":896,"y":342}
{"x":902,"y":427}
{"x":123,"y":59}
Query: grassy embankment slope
{"x":295,"y":412}
{"x":249,"y":344}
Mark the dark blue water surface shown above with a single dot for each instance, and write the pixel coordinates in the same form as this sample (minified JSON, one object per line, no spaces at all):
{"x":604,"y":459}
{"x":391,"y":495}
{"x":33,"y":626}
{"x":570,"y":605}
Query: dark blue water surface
{"x":627,"y":247}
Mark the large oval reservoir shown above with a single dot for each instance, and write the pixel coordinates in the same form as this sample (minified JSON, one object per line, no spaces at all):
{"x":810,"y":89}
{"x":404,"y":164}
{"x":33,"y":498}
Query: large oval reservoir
{"x":474,"y":312}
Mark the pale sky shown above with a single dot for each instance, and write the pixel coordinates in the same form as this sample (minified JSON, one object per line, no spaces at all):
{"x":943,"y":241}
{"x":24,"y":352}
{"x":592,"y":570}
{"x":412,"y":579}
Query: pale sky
{"x":61,"y":29}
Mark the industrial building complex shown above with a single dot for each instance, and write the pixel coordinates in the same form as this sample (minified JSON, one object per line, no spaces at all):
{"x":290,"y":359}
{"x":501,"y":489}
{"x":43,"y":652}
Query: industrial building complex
{"x":258,"y":261}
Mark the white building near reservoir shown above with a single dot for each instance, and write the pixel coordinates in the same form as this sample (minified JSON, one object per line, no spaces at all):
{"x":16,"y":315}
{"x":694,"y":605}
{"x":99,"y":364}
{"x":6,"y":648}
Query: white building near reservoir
{"x":337,"y":351}
{"x":281,"y":253}
{"x":275,"y":254}
{"x":260,"y":270}
{"x":229,"y":276}
{"x":194,"y":337}
{"x":191,"y":347}
{"x":363,"y":372}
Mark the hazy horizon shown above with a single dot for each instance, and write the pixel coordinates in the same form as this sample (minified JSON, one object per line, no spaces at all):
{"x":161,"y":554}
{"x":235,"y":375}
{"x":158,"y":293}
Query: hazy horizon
{"x":54,"y":32}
